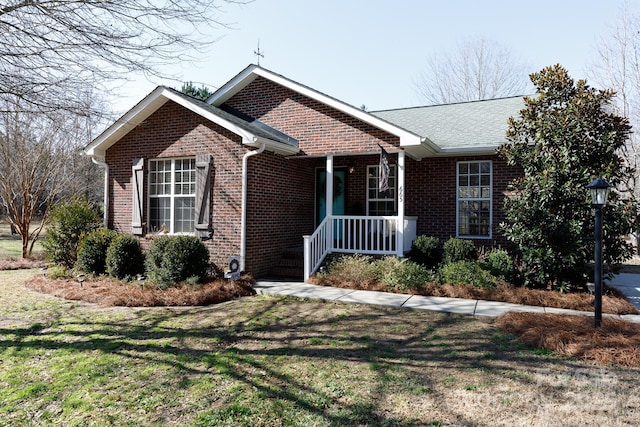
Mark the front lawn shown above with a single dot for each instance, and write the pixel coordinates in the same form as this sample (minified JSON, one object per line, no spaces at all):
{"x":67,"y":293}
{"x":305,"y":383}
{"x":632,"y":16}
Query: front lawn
{"x":278,"y":361}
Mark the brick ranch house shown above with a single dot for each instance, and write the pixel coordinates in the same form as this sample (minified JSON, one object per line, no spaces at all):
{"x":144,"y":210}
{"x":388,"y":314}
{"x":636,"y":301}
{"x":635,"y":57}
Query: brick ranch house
{"x":254,"y":170}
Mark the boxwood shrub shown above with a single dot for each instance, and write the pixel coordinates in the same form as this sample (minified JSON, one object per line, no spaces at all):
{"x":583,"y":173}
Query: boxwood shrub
{"x":173,"y":259}
{"x":92,"y":253}
{"x":425,"y":251}
{"x":500,"y":263}
{"x":125,"y":259}
{"x":459,"y":250}
{"x":402,"y":274}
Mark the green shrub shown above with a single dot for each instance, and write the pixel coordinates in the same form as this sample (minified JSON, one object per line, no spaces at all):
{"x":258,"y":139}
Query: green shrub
{"x":401,"y":273}
{"x":353,"y":268}
{"x":424,"y":250}
{"x":173,"y":259}
{"x":459,"y":250}
{"x":155,"y":254}
{"x":70,"y":221}
{"x":468,"y":273}
{"x":57,"y":272}
{"x":92,"y":253}
{"x":124,"y":257}
{"x":500,"y":263}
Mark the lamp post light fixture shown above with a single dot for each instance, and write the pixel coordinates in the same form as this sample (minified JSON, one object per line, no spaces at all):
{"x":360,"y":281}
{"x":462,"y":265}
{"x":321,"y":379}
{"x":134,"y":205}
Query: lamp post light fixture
{"x":599,"y":189}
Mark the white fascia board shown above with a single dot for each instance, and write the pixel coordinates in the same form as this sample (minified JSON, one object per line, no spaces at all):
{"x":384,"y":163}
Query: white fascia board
{"x":250,"y":73}
{"x":480,"y":151}
{"x":233,"y":86}
{"x":126,"y":123}
{"x":148,"y":106}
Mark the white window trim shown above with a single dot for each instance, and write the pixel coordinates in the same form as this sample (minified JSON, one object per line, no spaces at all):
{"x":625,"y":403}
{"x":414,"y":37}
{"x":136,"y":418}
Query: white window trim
{"x":459,"y":199}
{"x":394,"y":189}
{"x":171,"y":197}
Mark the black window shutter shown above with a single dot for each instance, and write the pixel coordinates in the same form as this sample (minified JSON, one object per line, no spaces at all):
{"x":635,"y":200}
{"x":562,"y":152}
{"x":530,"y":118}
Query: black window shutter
{"x":203,"y":196}
{"x":138,"y":194}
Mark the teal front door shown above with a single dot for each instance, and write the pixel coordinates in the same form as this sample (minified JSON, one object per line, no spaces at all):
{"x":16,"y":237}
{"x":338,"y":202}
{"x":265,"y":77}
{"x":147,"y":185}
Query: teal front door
{"x":339,"y":196}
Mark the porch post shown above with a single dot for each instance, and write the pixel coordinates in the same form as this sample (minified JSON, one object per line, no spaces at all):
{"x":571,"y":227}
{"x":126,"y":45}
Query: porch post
{"x":329,"y":201}
{"x":400,"y":224}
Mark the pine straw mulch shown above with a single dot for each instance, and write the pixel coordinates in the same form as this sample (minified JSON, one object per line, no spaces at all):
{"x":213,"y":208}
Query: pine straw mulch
{"x":111,"y":292}
{"x":615,"y":342}
{"x":613,"y":301}
{"x":13,"y":263}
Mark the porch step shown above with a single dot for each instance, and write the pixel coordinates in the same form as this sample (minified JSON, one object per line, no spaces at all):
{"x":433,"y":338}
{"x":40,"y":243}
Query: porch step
{"x":290,"y":265}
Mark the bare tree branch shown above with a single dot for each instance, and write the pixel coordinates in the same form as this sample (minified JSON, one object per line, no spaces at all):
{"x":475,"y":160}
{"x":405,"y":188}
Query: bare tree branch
{"x":618,"y":67}
{"x":478,"y":69}
{"x":51,"y":48}
{"x":36,"y":166}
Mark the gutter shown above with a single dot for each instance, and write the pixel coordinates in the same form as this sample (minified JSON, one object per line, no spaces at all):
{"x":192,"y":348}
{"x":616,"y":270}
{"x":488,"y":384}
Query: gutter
{"x":105,"y":218}
{"x":243,"y":223}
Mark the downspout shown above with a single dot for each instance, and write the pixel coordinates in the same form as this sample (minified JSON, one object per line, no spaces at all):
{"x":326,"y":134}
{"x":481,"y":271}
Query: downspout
{"x":105,"y":218}
{"x":243,"y":223}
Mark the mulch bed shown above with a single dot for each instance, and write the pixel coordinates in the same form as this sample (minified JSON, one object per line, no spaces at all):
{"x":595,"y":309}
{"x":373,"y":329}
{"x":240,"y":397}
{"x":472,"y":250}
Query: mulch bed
{"x":111,"y":292}
{"x":616,"y":341}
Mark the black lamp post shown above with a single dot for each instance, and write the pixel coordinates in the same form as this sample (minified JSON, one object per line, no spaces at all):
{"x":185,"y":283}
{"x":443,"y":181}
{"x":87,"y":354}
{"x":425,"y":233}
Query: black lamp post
{"x":599,"y":189}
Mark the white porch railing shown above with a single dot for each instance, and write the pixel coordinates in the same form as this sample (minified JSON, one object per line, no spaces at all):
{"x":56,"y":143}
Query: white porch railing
{"x":372,"y":235}
{"x":316,"y":247}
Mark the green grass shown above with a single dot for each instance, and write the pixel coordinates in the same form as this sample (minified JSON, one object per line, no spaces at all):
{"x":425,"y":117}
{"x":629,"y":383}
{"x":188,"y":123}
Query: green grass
{"x":271,"y":361}
{"x":11,"y":245}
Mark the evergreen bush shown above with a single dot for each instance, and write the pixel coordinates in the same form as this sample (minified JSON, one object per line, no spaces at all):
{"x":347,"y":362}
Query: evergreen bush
{"x":402,"y":274}
{"x":124,"y":259}
{"x":459,"y":250}
{"x":425,"y":251}
{"x":468,"y":273}
{"x":173,"y":259}
{"x":70,"y":221}
{"x":92,"y":253}
{"x":500,"y":263}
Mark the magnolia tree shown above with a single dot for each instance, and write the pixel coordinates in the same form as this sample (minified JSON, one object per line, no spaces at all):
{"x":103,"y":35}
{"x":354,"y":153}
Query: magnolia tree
{"x":565,"y":137}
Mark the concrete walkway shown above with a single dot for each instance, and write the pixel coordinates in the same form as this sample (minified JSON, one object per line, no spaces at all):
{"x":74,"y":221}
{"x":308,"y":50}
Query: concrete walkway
{"x":629,"y":284}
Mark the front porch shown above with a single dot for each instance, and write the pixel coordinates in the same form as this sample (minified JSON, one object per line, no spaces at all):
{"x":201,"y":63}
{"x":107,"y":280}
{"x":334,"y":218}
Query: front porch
{"x":372,"y":235}
{"x":364,"y":234}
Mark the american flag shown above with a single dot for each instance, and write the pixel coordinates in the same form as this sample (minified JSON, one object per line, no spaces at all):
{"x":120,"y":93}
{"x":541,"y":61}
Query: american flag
{"x":383,"y":173}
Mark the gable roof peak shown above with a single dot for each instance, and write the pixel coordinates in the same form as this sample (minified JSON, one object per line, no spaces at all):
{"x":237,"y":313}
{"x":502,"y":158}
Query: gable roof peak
{"x":253,"y":71}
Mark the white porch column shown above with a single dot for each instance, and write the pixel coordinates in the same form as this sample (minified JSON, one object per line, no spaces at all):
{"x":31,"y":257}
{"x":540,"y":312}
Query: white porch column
{"x":329,"y":201}
{"x":400,"y":225}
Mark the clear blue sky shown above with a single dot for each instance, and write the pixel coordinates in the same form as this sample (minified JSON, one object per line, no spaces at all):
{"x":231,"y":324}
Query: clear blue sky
{"x":371,"y":51}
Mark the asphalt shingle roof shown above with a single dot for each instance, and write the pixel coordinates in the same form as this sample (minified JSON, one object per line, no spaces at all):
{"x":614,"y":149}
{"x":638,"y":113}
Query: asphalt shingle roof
{"x":458,"y":126}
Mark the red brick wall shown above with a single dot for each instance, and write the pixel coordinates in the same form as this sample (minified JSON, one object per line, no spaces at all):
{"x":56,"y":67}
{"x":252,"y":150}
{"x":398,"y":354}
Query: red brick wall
{"x":319,"y":128}
{"x":431,"y":195}
{"x":279,"y":209}
{"x":174,"y":131}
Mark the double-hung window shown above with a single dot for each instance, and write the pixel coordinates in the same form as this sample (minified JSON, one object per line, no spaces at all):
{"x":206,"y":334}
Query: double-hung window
{"x":474,"y":187}
{"x":172,"y":190}
{"x":381,"y":203}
